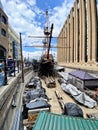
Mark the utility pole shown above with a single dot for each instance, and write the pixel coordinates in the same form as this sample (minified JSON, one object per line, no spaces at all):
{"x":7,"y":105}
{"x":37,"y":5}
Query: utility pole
{"x":28,"y":57}
{"x":21,"y":58}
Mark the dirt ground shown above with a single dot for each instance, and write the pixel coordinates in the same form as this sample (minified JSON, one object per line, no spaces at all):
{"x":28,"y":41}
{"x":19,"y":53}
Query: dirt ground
{"x":55,"y":106}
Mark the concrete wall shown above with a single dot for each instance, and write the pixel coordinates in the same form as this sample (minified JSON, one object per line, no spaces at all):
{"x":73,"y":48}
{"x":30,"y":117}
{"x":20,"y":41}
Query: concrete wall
{"x":10,"y":117}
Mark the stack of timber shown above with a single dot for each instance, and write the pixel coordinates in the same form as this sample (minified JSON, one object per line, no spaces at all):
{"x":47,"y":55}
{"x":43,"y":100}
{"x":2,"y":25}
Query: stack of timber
{"x":50,"y":82}
{"x":60,"y":99}
{"x":32,"y":117}
{"x":92,"y":115}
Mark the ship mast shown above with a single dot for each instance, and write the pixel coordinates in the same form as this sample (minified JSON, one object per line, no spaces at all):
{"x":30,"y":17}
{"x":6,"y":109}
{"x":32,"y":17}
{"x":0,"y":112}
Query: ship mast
{"x":50,"y":41}
{"x":46,"y":28}
{"x":48,"y":36}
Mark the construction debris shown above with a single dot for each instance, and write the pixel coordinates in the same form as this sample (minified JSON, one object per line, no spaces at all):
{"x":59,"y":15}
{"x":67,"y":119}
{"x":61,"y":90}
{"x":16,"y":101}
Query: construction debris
{"x":92,"y":115}
{"x":60,"y":99}
{"x":50,"y":82}
{"x":78,"y":95}
{"x":34,"y":101}
{"x":70,"y":109}
{"x":58,"y":94}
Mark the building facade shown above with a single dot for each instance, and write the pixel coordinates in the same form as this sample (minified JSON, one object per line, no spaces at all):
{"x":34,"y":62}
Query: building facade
{"x":13,"y":43}
{"x":3,"y":33}
{"x":9,"y":40}
{"x":79,"y":45}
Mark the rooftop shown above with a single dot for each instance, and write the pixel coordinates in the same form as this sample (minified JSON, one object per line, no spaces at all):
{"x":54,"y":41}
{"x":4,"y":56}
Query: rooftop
{"x":51,"y":121}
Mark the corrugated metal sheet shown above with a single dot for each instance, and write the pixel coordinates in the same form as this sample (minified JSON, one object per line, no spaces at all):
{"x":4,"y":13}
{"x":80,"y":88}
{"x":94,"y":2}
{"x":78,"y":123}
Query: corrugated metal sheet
{"x":50,"y":121}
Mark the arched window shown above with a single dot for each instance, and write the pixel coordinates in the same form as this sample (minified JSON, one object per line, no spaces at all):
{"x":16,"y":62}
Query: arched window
{"x":3,"y":32}
{"x":3,"y":19}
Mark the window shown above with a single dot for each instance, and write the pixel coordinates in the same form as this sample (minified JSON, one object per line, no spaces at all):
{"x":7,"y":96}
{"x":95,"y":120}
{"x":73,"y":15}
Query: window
{"x":3,"y":20}
{"x":3,"y":32}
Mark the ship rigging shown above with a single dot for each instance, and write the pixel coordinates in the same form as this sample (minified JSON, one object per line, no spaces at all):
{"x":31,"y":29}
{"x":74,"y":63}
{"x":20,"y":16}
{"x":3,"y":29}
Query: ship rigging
{"x":46,"y":63}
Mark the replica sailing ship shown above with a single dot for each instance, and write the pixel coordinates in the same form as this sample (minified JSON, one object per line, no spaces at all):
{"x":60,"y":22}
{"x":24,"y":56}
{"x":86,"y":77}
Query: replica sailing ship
{"x":46,"y":63}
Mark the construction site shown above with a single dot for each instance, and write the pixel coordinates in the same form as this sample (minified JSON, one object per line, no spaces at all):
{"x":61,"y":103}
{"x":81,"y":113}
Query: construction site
{"x":46,"y":94}
{"x":57,"y":99}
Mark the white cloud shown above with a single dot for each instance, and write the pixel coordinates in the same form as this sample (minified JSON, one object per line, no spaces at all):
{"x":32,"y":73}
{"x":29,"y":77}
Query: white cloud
{"x":37,"y":55}
{"x":32,"y":55}
{"x":22,"y":17}
{"x":60,"y":14}
{"x":31,"y":2}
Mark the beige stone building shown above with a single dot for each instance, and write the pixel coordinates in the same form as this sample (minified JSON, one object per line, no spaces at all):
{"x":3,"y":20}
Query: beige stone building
{"x":13,"y":44}
{"x":79,"y":45}
{"x":3,"y":33}
{"x":9,"y":40}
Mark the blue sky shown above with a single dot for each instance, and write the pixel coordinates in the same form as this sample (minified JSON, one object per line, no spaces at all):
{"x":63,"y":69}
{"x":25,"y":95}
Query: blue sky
{"x":28,"y":17}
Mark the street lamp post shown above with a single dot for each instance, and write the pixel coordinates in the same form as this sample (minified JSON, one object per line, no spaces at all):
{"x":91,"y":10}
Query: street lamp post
{"x":21,"y":58}
{"x":18,"y":65}
{"x":14,"y":68}
{"x":5,"y":72}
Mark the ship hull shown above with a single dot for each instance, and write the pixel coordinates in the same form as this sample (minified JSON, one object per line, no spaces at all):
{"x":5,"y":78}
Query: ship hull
{"x":46,"y":68}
